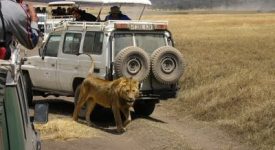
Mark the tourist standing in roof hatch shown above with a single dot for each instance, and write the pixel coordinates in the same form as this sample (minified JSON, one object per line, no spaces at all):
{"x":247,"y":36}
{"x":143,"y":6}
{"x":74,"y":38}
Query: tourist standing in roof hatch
{"x":116,"y":14}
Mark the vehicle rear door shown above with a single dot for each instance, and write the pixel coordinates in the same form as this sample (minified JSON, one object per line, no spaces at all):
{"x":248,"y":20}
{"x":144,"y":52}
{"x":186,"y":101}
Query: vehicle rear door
{"x":67,"y":63}
{"x":93,"y":46}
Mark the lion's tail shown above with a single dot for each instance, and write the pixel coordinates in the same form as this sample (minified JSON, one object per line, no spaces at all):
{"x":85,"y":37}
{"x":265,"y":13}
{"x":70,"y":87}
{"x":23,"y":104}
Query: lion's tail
{"x":92,"y":66}
{"x":91,"y":69}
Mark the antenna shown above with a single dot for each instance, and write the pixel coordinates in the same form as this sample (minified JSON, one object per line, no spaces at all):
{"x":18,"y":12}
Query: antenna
{"x":142,"y":12}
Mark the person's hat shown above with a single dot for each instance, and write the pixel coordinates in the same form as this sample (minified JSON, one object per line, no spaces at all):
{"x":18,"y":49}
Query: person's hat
{"x":115,"y":10}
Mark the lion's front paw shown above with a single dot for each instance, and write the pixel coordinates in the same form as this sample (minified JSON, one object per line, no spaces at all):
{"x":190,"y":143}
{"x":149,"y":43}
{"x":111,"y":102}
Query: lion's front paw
{"x":90,"y":124}
{"x":75,"y":118}
{"x":121,"y":130}
{"x":126,"y":122}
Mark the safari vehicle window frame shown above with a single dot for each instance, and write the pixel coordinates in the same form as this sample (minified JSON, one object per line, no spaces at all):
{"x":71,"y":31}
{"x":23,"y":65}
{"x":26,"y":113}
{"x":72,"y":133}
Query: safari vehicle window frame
{"x":22,"y":110}
{"x":92,"y":49}
{"x":64,"y":42}
{"x":22,"y":89}
{"x":46,"y":45}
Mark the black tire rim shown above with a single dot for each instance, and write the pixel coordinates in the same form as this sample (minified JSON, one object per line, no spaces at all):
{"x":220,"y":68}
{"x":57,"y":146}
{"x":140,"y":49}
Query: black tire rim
{"x":168,"y":65}
{"x":134,"y":66}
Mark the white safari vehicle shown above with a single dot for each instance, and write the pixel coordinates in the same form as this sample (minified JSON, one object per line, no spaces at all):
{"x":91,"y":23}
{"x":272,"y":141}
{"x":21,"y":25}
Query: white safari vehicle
{"x":139,"y":49}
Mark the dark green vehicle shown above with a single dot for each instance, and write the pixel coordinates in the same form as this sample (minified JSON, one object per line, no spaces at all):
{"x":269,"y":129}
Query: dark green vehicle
{"x":16,"y":127}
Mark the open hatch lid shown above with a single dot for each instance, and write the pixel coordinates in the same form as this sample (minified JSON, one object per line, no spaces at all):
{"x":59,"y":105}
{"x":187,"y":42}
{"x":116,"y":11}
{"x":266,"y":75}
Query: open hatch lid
{"x":142,"y":2}
{"x":63,"y":3}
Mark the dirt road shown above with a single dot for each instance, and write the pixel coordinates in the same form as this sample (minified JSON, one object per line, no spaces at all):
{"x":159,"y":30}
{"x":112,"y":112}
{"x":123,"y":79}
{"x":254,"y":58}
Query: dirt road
{"x":162,"y":130}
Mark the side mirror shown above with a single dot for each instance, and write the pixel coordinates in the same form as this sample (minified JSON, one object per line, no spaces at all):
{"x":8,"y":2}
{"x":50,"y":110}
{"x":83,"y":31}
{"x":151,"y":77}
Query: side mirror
{"x":42,"y":53}
{"x":41,"y":113}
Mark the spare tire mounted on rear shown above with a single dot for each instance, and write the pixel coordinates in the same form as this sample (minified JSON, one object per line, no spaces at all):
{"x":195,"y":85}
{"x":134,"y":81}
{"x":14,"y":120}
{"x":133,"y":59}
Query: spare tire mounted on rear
{"x":167,"y":64}
{"x":132,"y":62}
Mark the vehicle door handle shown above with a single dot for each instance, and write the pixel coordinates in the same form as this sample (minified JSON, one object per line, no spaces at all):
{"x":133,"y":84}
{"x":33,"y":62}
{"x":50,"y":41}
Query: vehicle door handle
{"x":96,"y":70}
{"x":53,"y":65}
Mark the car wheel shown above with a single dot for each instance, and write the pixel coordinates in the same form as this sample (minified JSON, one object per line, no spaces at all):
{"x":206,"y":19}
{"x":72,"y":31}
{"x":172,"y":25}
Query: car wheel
{"x":28,"y":88}
{"x":144,"y":108}
{"x":76,"y":95}
{"x":167,"y":64}
{"x":132,"y":62}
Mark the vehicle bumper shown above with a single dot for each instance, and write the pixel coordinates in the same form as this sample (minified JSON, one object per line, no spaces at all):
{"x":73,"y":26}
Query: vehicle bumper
{"x":160,"y":94}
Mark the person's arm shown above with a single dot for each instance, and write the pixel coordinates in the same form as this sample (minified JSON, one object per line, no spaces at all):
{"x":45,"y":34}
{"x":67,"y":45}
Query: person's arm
{"x":34,"y":26}
{"x":127,"y":18}
{"x":106,"y":18}
{"x":20,"y":23}
{"x":124,"y":17}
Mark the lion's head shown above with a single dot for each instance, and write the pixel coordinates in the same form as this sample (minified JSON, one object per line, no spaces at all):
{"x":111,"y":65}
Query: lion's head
{"x":128,"y":90}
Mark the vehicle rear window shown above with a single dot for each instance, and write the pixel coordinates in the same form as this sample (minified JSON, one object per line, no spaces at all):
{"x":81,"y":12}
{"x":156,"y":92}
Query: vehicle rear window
{"x":149,"y":42}
{"x":122,"y":41}
{"x":93,"y":43}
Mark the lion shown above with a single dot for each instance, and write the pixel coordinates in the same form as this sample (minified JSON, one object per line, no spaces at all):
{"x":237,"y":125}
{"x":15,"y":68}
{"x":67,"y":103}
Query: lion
{"x":119,"y":95}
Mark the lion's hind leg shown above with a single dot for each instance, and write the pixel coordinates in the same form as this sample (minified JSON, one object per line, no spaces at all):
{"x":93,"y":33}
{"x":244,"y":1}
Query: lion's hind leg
{"x":81,"y":101}
{"x":90,"y":107}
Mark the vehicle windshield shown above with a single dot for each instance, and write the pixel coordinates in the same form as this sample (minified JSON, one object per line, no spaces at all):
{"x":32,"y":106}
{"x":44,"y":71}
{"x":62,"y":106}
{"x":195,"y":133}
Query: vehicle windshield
{"x":147,"y":41}
{"x":42,"y":18}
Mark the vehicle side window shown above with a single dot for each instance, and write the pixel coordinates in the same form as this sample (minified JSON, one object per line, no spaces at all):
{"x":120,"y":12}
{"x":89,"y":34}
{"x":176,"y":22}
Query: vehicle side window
{"x":93,"y":43}
{"x":72,"y":43}
{"x":51,"y":49}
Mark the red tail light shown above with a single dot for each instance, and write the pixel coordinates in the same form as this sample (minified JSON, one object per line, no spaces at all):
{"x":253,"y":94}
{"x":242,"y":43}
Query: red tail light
{"x":121,"y":26}
{"x":160,"y":27}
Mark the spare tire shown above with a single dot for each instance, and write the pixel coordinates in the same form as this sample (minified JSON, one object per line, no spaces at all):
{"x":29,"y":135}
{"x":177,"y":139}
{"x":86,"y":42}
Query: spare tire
{"x":132,"y":62}
{"x":167,"y":64}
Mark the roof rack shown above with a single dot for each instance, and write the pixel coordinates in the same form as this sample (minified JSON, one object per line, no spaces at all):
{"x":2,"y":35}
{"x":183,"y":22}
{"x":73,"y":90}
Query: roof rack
{"x":76,"y":25}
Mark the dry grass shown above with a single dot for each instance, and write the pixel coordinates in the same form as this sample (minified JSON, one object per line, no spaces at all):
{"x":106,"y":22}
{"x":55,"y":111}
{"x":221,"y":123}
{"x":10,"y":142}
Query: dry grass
{"x":230,"y":77}
{"x":64,"y":129}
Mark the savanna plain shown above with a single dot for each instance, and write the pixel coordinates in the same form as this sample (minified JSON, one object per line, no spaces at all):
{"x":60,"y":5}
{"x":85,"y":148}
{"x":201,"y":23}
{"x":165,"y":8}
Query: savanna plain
{"x":229,"y":81}
{"x":230,"y":74}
